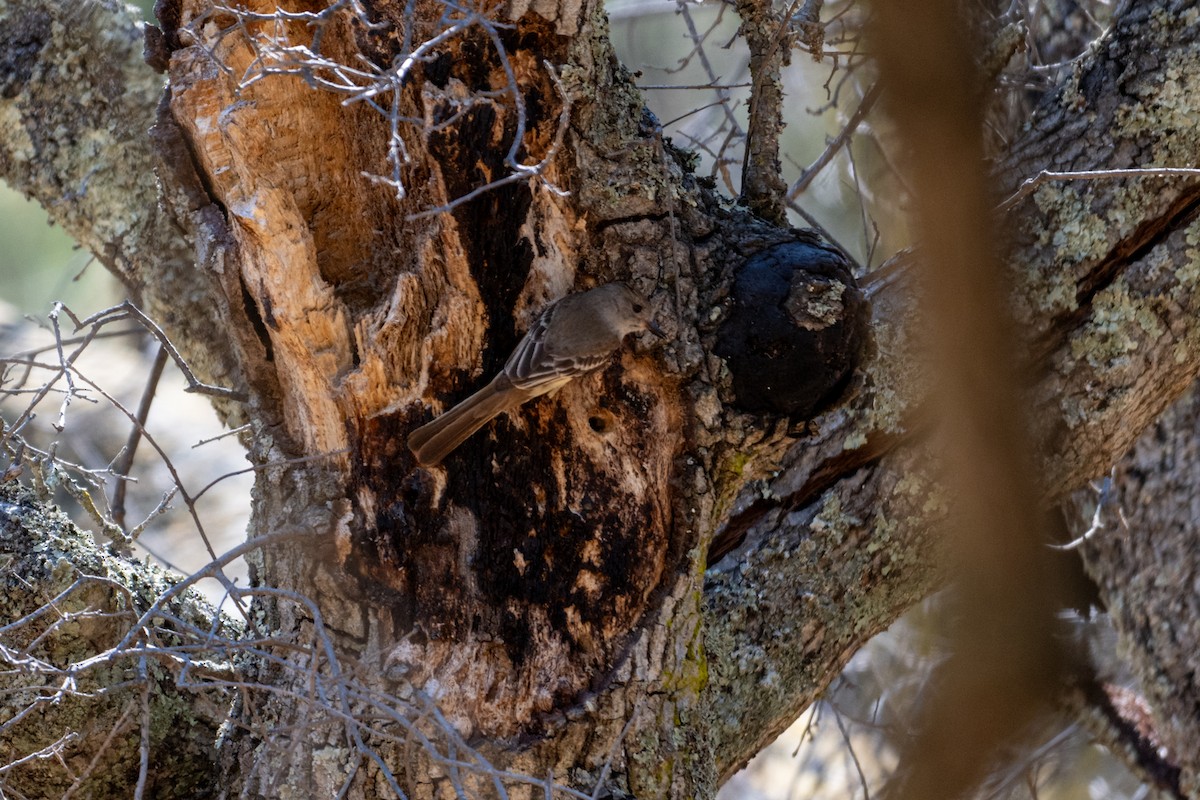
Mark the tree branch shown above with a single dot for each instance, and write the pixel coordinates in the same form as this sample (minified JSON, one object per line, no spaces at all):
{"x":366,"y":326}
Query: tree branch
{"x":76,"y":103}
{"x":842,"y":545}
{"x":1143,"y":556}
{"x":1107,"y":286}
{"x":67,"y":602}
{"x":763,"y":188}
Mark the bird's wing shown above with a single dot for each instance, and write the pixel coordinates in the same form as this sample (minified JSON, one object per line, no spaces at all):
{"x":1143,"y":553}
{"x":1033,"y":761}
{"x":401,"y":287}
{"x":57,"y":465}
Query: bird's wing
{"x":536,"y":367}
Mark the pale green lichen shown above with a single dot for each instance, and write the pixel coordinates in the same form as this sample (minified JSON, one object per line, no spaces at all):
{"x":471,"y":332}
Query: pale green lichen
{"x":1112,"y":332}
{"x":854,"y":441}
{"x":917,"y":489}
{"x":897,"y":376}
{"x":50,"y":553}
{"x":880,"y":539}
{"x":911,"y":484}
{"x":1162,"y":108}
{"x":16,"y":136}
{"x":689,"y":676}
{"x":1188,"y":273}
{"x":1161,"y":118}
{"x":832,"y":519}
{"x":1069,"y":225}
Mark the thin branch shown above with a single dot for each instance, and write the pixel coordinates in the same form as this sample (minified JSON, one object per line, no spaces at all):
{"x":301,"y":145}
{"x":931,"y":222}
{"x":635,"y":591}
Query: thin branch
{"x":523,"y":172}
{"x":862,"y":777}
{"x":124,"y":461}
{"x":1030,"y":185}
{"x":144,"y":739}
{"x":763,"y":189}
{"x":128,"y":309}
{"x":646,"y":87}
{"x":837,"y":143}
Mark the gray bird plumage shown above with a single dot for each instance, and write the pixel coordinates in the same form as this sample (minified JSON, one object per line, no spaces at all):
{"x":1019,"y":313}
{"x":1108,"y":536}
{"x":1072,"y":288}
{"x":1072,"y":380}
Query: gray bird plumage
{"x":571,"y":337}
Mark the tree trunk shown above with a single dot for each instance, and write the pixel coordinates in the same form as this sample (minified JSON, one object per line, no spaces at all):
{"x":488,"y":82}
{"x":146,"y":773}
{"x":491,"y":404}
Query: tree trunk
{"x":553,"y":563}
{"x":1143,"y":558}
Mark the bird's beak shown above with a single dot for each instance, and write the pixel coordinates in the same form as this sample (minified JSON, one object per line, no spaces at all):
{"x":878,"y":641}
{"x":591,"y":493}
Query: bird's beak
{"x":653,"y":327}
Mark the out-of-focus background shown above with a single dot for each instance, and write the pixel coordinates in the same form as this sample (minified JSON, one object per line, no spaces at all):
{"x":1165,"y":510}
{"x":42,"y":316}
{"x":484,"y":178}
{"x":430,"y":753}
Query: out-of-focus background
{"x":840,"y":748}
{"x":40,"y":265}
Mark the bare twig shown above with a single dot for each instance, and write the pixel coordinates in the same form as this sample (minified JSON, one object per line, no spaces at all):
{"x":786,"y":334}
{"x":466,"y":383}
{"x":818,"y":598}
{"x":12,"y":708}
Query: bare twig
{"x":124,"y":461}
{"x":144,"y":741}
{"x":116,"y":730}
{"x":646,"y":87}
{"x":231,"y":432}
{"x":862,"y":777}
{"x":1105,"y":501}
{"x":128,"y":310}
{"x":1030,"y":185}
{"x":381,"y":87}
{"x":835,"y":144}
{"x":730,"y":128}
{"x":522,"y":172}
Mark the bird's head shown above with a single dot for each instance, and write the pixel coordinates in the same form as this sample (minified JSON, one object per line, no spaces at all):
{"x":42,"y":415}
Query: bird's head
{"x":632,"y":312}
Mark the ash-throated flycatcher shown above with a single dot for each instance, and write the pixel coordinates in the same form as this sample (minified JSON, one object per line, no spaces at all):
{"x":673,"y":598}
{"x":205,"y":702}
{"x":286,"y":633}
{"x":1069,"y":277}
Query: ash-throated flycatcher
{"x":572,"y":337}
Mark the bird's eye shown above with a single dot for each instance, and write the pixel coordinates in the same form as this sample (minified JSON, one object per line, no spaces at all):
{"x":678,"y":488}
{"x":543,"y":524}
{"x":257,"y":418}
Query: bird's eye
{"x":637,"y":308}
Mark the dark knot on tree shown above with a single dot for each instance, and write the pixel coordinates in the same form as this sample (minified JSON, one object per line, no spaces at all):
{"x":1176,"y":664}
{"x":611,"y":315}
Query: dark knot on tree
{"x":795,"y":329}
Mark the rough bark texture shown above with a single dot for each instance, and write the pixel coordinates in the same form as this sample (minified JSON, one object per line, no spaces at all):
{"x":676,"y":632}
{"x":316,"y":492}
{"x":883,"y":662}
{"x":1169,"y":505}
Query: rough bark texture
{"x":553,"y":544}
{"x":1108,"y":268}
{"x":95,"y":599}
{"x":1145,"y":566}
{"x":548,"y":560}
{"x":763,"y":189}
{"x":76,"y":103}
{"x":1105,"y":274}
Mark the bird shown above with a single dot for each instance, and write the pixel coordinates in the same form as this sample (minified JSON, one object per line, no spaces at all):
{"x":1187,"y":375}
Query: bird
{"x":571,"y":337}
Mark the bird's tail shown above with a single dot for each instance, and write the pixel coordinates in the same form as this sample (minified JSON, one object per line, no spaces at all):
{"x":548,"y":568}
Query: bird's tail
{"x":435,"y":440}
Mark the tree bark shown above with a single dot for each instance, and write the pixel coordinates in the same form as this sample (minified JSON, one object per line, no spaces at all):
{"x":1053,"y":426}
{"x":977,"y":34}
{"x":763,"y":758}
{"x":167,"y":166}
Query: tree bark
{"x":65,"y":603}
{"x":77,"y":103}
{"x":546,"y":588}
{"x":1144,"y":562}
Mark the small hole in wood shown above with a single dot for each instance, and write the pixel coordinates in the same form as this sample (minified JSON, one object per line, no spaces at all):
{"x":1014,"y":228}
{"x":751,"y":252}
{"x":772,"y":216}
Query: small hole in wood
{"x":601,"y":422}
